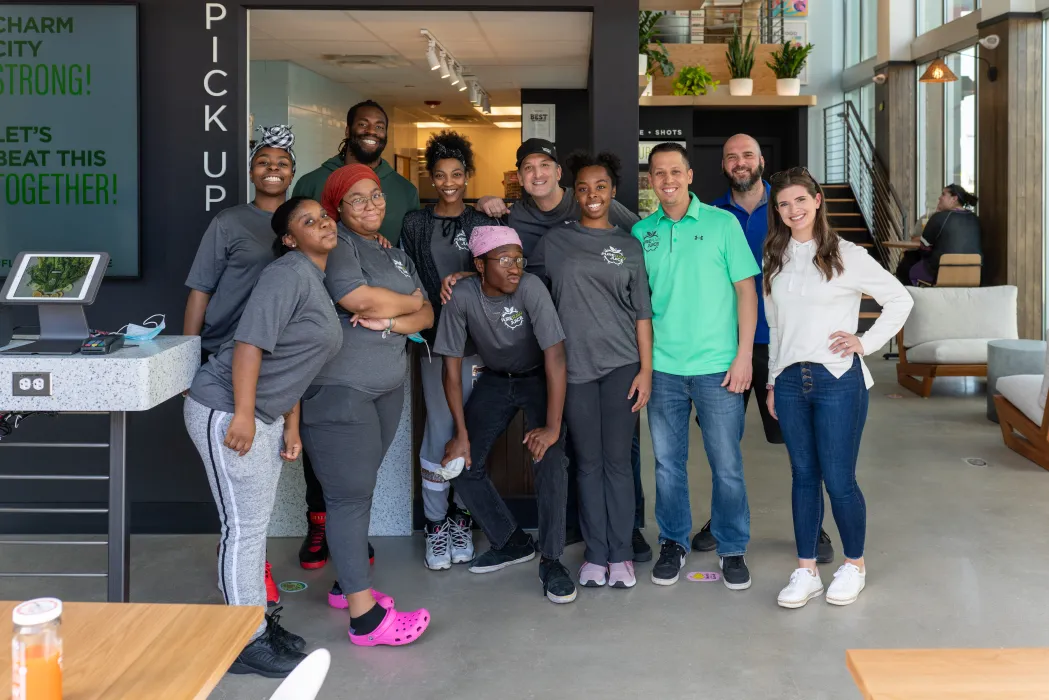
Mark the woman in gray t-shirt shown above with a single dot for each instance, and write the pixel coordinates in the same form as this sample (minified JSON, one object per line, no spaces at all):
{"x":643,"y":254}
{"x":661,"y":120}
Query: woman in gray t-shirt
{"x":596,"y":273}
{"x":242,"y":413}
{"x":351,"y":412}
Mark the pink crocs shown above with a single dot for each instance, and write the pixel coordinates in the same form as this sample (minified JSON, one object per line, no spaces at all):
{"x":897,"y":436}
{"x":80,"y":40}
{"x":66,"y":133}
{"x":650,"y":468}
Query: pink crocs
{"x":396,"y":629}
{"x":337,"y":599}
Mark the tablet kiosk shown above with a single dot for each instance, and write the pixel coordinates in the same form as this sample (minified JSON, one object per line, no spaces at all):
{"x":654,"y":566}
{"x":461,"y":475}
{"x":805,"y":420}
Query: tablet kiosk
{"x":60,"y":285}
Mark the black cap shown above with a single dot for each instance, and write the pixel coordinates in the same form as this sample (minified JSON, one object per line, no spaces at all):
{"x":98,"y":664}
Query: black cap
{"x":531,"y":146}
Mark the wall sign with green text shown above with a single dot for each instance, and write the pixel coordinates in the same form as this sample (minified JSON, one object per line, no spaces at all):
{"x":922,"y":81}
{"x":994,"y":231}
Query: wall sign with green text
{"x":69,"y":132}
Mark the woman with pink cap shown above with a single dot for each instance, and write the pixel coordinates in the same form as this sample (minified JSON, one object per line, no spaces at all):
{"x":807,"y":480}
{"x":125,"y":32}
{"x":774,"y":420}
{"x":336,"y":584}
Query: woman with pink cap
{"x":510,"y":319}
{"x":351,"y":410}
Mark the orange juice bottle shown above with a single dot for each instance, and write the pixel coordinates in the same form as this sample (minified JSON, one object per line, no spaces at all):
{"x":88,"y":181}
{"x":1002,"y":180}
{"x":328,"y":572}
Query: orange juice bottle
{"x":36,"y":650}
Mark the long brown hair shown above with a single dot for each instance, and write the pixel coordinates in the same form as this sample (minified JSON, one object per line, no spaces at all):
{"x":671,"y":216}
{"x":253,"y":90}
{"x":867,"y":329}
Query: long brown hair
{"x":828,"y":254}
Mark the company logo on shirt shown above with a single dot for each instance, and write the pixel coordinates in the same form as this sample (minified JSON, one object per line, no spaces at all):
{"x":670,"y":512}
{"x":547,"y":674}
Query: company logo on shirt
{"x":512,"y":318}
{"x":460,"y":241}
{"x":613,"y":256}
{"x":651,"y":242}
{"x":402,"y":269}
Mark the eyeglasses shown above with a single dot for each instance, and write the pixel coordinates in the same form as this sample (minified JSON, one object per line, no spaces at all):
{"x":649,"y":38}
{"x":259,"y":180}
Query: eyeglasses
{"x":507,"y":261}
{"x":358,"y":204}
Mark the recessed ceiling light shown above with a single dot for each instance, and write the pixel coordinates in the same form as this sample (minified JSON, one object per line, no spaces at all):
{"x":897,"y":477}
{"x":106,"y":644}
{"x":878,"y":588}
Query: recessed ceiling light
{"x":506,"y":111}
{"x":508,"y":125}
{"x":430,"y":125}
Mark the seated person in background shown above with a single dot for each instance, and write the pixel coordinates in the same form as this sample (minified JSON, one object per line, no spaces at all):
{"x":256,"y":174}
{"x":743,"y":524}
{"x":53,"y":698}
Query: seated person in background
{"x":954,"y":228}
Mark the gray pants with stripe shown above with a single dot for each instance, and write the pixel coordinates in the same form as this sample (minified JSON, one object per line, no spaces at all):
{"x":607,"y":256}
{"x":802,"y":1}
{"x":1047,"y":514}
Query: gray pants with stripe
{"x":244,"y":489}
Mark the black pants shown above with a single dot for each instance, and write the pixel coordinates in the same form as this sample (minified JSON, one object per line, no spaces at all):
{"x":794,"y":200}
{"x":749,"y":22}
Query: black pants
{"x":903,"y":269}
{"x":760,"y":368}
{"x":492,"y":406}
{"x":602,"y":424}
{"x":349,"y":433}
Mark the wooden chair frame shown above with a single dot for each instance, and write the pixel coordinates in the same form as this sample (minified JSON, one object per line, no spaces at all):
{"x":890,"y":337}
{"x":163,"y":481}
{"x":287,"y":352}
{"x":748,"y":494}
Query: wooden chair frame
{"x":919,"y":377}
{"x":1020,"y":433}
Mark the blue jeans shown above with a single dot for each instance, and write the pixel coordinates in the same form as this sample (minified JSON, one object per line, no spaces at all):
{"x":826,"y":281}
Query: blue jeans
{"x":720,"y":414}
{"x":822,"y":420}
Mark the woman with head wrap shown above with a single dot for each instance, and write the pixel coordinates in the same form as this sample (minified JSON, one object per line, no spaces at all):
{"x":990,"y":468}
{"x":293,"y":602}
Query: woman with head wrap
{"x":436,"y":239}
{"x":351,"y":411}
{"x":242,"y":413}
{"x":233,"y":252}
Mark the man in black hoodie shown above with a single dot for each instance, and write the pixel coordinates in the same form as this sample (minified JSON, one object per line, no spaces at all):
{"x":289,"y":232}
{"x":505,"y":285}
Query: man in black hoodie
{"x":544,"y":205}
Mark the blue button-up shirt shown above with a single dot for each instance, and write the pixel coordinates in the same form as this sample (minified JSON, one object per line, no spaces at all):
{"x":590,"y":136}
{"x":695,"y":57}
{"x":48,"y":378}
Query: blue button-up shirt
{"x":756,"y":227}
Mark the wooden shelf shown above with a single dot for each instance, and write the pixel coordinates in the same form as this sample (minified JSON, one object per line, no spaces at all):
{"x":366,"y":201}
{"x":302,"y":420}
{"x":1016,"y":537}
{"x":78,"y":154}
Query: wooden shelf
{"x":721,"y":98}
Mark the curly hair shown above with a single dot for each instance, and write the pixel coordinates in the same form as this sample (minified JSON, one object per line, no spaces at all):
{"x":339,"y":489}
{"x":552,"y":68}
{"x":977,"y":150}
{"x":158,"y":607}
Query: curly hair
{"x":449,"y":144}
{"x":582,"y":159}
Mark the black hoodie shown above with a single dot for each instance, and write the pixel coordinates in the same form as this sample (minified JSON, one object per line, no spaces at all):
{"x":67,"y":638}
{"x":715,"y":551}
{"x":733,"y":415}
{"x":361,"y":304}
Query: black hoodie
{"x":531,"y":222}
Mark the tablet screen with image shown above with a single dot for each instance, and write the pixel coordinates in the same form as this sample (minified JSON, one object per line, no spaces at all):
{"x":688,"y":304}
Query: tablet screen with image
{"x":42,"y":277}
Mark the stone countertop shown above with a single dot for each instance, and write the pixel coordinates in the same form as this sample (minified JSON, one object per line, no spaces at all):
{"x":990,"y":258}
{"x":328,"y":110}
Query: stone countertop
{"x":130,"y":379}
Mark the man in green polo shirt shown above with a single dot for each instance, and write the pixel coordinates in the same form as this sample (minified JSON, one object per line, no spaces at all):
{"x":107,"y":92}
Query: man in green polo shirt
{"x":704,"y":311}
{"x":366,"y":125}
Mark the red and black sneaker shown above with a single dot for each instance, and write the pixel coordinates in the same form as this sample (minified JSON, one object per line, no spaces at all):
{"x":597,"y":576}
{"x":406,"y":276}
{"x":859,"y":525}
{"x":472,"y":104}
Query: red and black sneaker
{"x":313,"y":554}
{"x":371,"y":554}
{"x":272,"y":592}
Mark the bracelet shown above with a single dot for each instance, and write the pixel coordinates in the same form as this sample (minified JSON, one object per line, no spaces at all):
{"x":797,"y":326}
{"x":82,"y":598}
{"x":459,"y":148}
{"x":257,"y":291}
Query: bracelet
{"x":389,"y":328}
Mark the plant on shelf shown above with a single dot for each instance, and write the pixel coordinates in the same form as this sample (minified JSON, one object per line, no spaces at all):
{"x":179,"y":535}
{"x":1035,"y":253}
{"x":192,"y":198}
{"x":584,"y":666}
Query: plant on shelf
{"x":787,"y":64}
{"x":740,"y":56}
{"x":694,"y":80}
{"x":651,"y":50}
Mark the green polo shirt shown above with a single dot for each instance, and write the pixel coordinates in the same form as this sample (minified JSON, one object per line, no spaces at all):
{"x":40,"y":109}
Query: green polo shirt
{"x":692,"y":265}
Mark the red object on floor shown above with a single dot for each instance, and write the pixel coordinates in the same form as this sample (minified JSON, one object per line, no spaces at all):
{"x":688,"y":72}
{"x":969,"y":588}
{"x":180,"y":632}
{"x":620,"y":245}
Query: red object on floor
{"x":272,"y":592}
{"x":314,"y":551}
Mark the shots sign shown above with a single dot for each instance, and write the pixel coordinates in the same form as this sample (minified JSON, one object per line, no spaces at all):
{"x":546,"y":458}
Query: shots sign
{"x":69,"y":132}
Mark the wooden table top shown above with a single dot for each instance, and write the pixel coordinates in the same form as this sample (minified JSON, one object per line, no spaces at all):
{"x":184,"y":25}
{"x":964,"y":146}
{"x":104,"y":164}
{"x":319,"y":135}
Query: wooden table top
{"x":902,"y":245}
{"x":958,"y":674}
{"x":134,"y":651}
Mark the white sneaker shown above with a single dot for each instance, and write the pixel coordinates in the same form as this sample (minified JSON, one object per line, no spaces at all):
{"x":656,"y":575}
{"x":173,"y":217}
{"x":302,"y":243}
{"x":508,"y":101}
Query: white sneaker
{"x":803,"y":587}
{"x":460,"y":530}
{"x":437,"y":554}
{"x":846,"y":586}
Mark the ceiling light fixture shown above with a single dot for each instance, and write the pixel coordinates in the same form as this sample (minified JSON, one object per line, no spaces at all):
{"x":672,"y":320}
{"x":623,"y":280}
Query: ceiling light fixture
{"x":486,"y":104}
{"x":445,"y":65}
{"x":475,"y":92}
{"x":431,"y":55}
{"x":465,"y":84}
{"x":457,"y":74}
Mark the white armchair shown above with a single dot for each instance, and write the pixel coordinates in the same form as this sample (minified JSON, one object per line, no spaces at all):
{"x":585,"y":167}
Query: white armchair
{"x":1020,"y":400}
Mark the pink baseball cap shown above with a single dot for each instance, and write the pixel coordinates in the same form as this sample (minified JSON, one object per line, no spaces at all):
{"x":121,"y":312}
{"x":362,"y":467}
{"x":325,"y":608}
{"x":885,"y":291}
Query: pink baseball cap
{"x":486,"y":238}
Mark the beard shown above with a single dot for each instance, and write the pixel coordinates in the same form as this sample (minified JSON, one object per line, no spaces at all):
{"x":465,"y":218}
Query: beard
{"x":745,"y":184}
{"x":363,"y":155}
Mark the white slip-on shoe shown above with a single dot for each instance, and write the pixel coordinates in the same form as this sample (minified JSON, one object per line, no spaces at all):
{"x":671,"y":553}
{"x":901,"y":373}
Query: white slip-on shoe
{"x":847,"y":584}
{"x":804,"y":585}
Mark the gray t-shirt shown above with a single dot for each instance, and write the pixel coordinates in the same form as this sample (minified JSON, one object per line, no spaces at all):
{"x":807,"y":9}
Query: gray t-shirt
{"x":451,"y":253}
{"x":291,"y":318}
{"x":235,"y":249}
{"x":510,"y":332}
{"x":532,"y":223}
{"x":598,"y":282}
{"x":368,"y":362}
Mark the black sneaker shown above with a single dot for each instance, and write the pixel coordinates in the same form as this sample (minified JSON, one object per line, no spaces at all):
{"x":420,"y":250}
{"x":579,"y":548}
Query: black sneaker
{"x":704,"y":540}
{"x":282,"y":636}
{"x":671,"y":561}
{"x":642,"y":550}
{"x":267,"y":656}
{"x":557,"y":584}
{"x":510,"y":554}
{"x":735,"y":573}
{"x":824,"y":549}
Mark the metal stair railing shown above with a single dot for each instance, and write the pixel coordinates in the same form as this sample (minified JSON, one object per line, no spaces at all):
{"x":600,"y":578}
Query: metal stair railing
{"x":850,"y":158}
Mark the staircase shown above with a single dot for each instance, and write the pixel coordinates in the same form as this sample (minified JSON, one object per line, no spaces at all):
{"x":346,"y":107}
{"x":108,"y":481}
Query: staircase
{"x":862,"y":205}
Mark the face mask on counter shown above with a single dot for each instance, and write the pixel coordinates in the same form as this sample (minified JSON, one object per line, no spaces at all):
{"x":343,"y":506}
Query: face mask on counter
{"x":149,"y":329}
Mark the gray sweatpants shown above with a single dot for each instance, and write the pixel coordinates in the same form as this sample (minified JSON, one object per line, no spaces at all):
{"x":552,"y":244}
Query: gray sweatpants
{"x":440,"y":427}
{"x":347,"y":434}
{"x":244,"y":489}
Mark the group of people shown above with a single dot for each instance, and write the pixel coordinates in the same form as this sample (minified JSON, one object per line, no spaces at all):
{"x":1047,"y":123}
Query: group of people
{"x":572,"y":311}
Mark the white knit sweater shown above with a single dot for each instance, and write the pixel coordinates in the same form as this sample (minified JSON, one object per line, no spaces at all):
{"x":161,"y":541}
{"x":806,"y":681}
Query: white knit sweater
{"x":804,"y":309}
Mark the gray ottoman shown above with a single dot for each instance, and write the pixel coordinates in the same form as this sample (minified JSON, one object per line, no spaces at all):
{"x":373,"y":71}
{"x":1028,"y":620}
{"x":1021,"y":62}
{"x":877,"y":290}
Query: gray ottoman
{"x":1006,"y":358}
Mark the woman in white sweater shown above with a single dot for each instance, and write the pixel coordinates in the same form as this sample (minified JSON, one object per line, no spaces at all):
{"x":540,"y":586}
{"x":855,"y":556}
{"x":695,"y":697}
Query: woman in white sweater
{"x":818,"y":384}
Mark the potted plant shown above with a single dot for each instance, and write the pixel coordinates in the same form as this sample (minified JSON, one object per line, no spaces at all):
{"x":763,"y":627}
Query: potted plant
{"x":694,"y":80}
{"x":787,"y":64}
{"x":740,"y":57}
{"x":650,"y":51}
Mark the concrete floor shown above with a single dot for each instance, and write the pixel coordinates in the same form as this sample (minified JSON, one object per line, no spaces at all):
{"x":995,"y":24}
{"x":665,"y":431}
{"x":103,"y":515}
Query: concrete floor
{"x":957,"y":557}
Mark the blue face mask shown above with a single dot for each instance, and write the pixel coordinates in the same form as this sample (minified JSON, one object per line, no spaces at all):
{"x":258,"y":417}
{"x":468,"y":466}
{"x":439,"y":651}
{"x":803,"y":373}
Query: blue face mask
{"x":149,"y":329}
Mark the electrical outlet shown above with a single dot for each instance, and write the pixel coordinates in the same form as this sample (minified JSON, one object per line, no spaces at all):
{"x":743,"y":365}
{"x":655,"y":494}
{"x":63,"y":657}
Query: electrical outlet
{"x":30,"y":383}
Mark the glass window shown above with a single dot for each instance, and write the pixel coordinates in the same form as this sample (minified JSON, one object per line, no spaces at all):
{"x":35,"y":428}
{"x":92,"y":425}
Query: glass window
{"x":861,"y":31}
{"x":863,"y":100}
{"x":930,"y":146}
{"x":935,"y":13}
